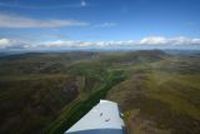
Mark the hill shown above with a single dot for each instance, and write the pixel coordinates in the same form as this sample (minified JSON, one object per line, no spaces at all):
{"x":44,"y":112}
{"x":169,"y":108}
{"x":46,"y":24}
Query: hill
{"x":158,"y":92}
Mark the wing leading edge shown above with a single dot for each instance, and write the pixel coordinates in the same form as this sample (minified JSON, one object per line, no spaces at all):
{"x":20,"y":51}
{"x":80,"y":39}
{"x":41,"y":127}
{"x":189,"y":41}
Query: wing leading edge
{"x":104,"y":118}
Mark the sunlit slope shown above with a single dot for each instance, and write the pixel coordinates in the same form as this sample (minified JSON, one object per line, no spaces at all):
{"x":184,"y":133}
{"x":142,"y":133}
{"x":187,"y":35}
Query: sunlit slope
{"x":162,"y":97}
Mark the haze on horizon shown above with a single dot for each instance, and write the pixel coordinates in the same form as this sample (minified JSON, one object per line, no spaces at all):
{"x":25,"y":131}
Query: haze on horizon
{"x":99,"y":24}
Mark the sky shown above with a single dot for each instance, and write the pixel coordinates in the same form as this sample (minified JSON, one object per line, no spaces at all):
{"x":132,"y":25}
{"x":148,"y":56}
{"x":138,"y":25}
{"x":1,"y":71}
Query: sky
{"x":112,"y":24}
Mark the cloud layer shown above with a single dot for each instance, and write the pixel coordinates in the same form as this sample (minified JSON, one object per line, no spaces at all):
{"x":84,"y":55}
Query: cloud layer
{"x":13,"y":21}
{"x":59,"y":44}
{"x":168,"y":41}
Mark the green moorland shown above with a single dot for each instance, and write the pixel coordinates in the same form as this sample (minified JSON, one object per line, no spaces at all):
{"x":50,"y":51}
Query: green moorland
{"x":158,"y":92}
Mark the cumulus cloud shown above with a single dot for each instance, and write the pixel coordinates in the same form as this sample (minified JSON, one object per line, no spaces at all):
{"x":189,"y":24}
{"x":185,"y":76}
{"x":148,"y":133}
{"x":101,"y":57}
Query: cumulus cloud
{"x":4,"y":42}
{"x":148,"y":41}
{"x":153,"y":40}
{"x":67,"y":43}
{"x":169,"y":41}
{"x":13,"y":21}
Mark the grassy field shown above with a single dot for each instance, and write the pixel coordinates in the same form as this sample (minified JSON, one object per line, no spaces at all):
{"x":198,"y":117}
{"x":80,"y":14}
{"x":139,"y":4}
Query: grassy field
{"x":159,"y":93}
{"x":161,"y":97}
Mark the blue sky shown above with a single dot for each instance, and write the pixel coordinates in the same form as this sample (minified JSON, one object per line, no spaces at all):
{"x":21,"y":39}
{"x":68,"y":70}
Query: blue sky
{"x":37,"y":24}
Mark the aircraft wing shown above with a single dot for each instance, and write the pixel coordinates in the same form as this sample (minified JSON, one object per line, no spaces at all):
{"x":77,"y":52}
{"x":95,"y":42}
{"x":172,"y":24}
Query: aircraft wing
{"x":104,"y":118}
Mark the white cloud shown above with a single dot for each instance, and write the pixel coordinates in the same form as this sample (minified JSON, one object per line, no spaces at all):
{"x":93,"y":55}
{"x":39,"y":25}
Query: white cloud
{"x":13,"y":21}
{"x":105,"y":25}
{"x":153,"y":40}
{"x":157,"y":40}
{"x":4,"y":42}
{"x":66,"y":43}
{"x":148,"y":41}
